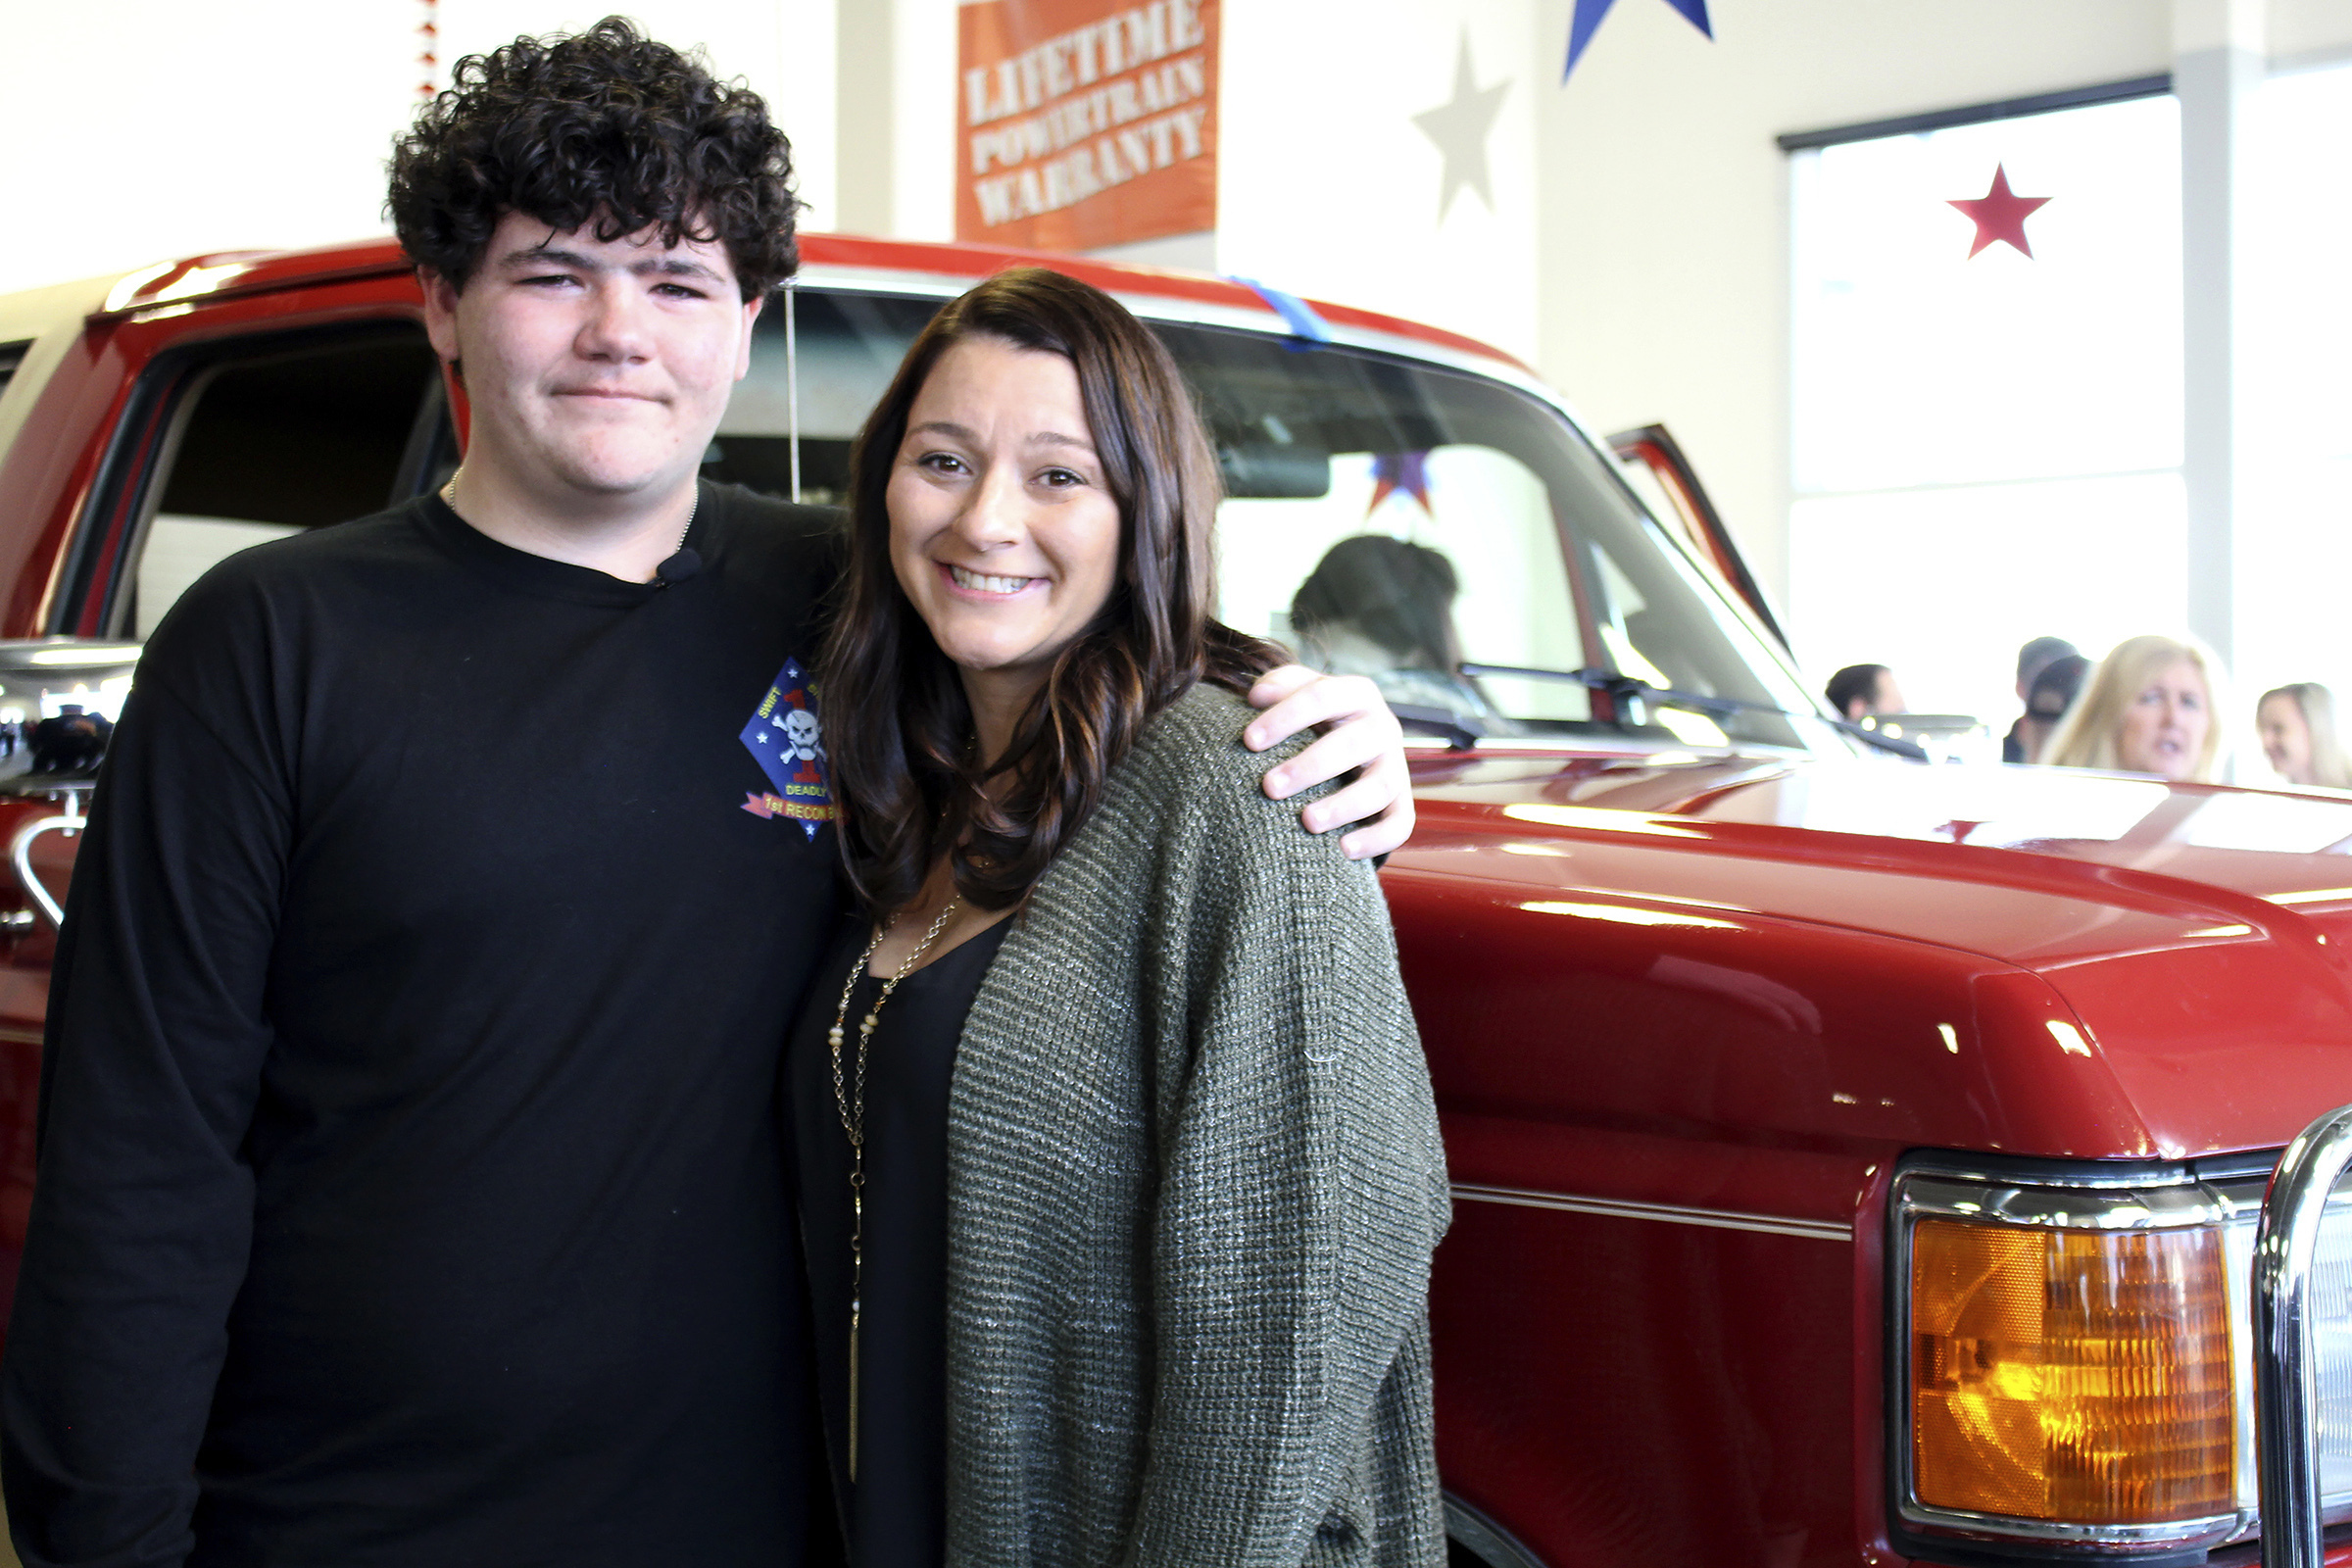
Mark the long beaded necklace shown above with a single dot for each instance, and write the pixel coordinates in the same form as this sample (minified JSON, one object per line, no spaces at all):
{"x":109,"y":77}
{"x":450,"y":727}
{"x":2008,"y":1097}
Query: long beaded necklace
{"x":852,"y":1105}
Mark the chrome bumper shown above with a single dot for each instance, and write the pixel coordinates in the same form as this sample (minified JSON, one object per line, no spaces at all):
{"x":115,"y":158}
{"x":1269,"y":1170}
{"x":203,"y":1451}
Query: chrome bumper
{"x":2285,"y":1363}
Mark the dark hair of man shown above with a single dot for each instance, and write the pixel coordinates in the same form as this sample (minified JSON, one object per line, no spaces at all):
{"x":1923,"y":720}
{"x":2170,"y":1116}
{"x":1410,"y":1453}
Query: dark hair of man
{"x":605,"y":128}
{"x":2035,"y":657}
{"x":1852,"y":682}
{"x":1400,"y":594}
{"x":904,"y":768}
{"x":2056,"y":685}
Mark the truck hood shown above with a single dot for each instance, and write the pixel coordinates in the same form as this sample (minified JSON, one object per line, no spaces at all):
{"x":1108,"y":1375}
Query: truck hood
{"x":2197,"y":939}
{"x":2077,"y":854}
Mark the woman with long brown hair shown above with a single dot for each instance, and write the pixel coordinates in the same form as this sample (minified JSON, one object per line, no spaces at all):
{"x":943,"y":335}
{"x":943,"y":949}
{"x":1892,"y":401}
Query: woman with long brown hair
{"x":1120,"y":1173}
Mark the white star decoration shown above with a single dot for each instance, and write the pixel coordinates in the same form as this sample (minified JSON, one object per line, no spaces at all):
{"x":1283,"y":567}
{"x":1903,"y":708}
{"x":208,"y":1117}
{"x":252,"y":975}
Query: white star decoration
{"x":1460,"y":127}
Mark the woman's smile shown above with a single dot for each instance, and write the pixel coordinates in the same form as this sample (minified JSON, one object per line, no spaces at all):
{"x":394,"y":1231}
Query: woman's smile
{"x":979,"y":586}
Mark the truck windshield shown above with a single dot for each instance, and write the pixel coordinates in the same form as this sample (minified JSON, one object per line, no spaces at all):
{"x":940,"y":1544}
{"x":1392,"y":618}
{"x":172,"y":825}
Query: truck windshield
{"x":1383,"y":517}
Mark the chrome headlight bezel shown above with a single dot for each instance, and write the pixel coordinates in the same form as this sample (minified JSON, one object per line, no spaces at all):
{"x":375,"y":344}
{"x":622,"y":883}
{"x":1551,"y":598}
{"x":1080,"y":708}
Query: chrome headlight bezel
{"x":2223,"y":1195}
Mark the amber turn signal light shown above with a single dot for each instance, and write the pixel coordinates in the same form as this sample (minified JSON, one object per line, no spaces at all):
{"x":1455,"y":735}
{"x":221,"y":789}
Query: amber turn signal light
{"x":2071,"y":1375}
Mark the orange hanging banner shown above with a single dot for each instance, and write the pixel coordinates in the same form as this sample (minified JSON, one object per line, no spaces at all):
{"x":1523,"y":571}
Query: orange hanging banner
{"x":1084,"y":124}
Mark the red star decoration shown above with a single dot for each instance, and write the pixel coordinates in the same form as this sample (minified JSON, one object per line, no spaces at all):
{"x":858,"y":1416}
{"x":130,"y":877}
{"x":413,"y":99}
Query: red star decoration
{"x":2001,"y":214}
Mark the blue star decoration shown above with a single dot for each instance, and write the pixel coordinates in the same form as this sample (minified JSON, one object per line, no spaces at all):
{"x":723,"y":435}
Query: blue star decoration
{"x":1587,"y":17}
{"x":1392,"y":471}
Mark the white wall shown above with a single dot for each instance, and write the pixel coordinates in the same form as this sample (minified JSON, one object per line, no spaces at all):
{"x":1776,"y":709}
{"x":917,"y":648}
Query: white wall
{"x":267,"y":126}
{"x":140,"y":130}
{"x":1327,"y":186}
{"x":784,"y":48}
{"x":896,"y":121}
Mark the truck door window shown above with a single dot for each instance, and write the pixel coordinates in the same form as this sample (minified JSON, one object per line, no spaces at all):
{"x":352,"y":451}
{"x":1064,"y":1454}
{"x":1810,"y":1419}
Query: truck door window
{"x":12,"y":355}
{"x":850,"y":347}
{"x":277,"y":443}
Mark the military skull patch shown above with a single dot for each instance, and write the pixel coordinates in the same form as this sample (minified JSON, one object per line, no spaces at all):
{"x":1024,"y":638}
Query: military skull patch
{"x":787,"y":739}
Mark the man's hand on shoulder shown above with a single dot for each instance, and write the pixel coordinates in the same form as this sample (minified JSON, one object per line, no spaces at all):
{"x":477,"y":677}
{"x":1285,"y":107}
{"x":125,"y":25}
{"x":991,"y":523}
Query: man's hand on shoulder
{"x":1362,"y":736}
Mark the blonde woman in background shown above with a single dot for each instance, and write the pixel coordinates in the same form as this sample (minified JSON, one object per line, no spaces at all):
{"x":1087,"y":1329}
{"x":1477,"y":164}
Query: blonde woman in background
{"x":2150,"y":706}
{"x":2297,"y":726}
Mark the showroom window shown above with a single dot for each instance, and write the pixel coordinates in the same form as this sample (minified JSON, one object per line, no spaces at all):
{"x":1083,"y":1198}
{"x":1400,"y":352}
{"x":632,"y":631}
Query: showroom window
{"x":2292,"y":538}
{"x":1987,"y":448}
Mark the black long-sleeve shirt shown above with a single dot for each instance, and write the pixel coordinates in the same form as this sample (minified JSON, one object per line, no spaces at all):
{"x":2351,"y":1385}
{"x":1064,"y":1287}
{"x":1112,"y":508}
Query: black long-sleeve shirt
{"x":411,"y":1191}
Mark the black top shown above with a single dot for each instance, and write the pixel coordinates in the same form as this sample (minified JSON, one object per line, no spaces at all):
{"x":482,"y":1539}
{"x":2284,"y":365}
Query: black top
{"x":410,"y":1188}
{"x":897,"y":1512}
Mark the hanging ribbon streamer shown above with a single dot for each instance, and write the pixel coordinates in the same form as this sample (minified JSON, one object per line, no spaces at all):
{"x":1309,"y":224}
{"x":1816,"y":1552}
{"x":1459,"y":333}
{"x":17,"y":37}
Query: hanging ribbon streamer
{"x":429,"y":30}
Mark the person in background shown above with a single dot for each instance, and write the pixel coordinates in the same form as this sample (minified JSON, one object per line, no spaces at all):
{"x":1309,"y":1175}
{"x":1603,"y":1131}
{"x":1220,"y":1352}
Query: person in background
{"x":2018,"y":745}
{"x":2297,"y":726}
{"x":2149,"y":707}
{"x":1120,"y":1210}
{"x":1374,"y":604}
{"x":1862,"y":691}
{"x":71,"y":741}
{"x":2053,"y":691}
{"x":1383,"y":608}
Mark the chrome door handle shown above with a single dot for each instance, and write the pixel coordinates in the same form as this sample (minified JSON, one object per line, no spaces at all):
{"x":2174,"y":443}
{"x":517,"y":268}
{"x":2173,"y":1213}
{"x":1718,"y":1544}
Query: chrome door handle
{"x":70,"y":822}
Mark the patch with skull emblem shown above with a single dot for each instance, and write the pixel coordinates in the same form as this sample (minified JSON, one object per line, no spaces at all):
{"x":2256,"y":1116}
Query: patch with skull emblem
{"x":788,"y":740}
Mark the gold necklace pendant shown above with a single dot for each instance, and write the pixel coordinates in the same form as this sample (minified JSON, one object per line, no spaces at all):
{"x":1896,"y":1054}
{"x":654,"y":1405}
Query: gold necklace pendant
{"x":850,"y":1102}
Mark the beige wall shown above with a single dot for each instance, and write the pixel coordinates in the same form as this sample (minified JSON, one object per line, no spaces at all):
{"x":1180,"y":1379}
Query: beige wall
{"x":2309,"y":31}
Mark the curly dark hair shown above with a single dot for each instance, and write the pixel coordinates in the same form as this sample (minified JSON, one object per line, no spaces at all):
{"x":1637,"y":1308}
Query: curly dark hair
{"x":605,"y":127}
{"x":910,"y":787}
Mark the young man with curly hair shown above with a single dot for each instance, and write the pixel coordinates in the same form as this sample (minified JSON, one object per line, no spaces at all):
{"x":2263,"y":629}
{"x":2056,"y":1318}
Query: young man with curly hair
{"x":411,"y":1189}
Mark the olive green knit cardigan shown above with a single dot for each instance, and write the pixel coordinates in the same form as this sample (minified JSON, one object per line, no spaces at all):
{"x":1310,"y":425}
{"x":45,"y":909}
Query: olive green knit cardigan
{"x":1194,"y":1182}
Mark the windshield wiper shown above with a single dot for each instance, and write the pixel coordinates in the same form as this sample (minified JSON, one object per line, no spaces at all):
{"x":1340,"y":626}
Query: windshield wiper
{"x":1631,"y":691}
{"x":1461,"y":732}
{"x":1619,"y":684}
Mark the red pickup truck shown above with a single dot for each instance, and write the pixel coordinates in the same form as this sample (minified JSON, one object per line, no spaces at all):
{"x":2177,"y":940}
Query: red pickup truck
{"x":1856,"y":1160}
